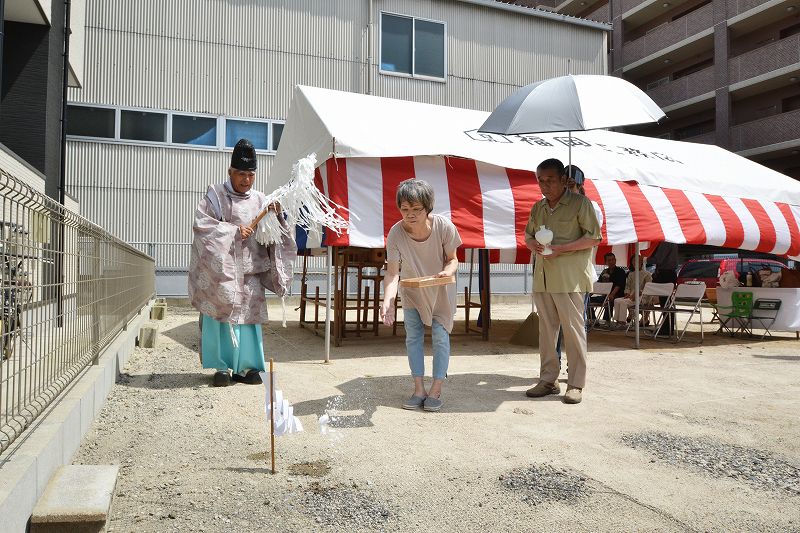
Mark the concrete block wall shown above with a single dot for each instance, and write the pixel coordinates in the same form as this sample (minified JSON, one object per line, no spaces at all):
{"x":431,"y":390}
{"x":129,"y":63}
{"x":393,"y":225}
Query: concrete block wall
{"x":51,"y":441}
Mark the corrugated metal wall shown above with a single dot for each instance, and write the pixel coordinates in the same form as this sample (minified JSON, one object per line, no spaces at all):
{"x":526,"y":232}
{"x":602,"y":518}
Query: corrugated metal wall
{"x":242,"y":58}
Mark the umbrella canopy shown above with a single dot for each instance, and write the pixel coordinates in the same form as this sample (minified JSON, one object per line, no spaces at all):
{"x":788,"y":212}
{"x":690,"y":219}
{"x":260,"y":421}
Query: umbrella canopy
{"x":572,"y":103}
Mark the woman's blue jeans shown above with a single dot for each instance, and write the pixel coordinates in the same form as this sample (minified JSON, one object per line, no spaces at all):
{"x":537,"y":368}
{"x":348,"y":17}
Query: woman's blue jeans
{"x":415,"y":340}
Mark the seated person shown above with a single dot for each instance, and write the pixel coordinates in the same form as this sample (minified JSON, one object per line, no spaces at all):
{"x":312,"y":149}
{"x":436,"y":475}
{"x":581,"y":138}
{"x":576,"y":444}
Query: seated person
{"x":612,"y":274}
{"x":623,"y":307}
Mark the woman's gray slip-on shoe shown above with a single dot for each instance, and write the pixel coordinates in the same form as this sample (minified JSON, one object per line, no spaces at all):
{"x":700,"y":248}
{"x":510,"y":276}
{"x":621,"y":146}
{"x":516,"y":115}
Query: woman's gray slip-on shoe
{"x":415,"y":402}
{"x":432,"y":404}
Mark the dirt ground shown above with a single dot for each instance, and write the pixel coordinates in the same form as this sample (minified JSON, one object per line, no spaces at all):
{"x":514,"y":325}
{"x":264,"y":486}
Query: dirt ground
{"x":688,"y":437}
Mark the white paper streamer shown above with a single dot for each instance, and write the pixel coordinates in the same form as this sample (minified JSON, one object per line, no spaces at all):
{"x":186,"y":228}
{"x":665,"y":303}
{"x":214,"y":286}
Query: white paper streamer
{"x":302,"y":204}
{"x":284,"y":420}
{"x":234,"y":340}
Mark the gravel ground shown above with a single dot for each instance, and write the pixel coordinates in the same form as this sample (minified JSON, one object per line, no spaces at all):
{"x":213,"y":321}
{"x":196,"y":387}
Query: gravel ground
{"x":346,"y":509}
{"x":756,"y":467}
{"x":195,"y":458}
{"x":543,"y":483}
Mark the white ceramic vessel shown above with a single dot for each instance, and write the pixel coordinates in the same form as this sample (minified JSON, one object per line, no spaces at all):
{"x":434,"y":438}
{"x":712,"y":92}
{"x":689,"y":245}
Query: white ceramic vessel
{"x":545,"y":237}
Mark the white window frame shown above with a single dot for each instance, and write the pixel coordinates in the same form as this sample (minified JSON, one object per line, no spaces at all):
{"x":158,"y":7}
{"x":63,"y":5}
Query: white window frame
{"x":167,"y":126}
{"x":219,"y":145}
{"x":413,"y":73}
{"x":271,"y":129}
{"x":198,"y":115}
{"x":240,"y":119}
{"x":99,"y":106}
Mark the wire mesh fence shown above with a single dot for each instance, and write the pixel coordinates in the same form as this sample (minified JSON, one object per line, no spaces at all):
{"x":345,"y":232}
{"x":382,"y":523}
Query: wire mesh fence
{"x":68,"y":288}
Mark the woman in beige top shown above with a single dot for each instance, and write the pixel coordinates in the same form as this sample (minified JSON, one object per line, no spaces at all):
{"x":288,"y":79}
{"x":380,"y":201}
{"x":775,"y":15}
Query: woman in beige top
{"x":422,"y":244}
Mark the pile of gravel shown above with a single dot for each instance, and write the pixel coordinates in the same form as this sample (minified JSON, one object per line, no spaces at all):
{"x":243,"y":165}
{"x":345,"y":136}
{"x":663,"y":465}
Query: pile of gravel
{"x":544,"y":483}
{"x":757,"y":467}
{"x":345,"y":509}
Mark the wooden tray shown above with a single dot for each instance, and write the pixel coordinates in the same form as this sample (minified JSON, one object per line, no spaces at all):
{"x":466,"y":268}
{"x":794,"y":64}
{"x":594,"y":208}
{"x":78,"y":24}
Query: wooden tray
{"x":427,"y":281}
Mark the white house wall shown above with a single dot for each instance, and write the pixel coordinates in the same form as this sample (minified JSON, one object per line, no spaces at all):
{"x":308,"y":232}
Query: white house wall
{"x":242,"y":58}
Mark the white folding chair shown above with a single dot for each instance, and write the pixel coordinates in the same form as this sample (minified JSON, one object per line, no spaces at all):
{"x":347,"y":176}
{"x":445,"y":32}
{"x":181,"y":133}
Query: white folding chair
{"x":688,"y":295}
{"x":661,"y":290}
{"x":598,"y":289}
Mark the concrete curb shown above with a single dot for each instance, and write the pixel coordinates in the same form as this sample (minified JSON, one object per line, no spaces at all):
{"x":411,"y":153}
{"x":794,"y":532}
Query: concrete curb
{"x":52,"y":440}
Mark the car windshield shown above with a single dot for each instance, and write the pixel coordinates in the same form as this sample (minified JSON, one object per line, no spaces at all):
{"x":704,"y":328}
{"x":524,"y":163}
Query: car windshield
{"x":701,"y":269}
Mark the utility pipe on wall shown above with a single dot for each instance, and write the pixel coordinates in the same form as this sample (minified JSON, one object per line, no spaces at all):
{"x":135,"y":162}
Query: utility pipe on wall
{"x":62,"y":176}
{"x":59,"y":263}
{"x":2,"y":38}
{"x":369,"y":48}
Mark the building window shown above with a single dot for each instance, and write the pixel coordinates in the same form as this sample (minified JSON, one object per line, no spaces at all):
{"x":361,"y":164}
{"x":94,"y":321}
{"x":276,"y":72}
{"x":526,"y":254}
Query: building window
{"x":412,"y":46}
{"x":90,"y":121}
{"x":693,"y":130}
{"x":198,"y":131}
{"x":143,"y":126}
{"x":277,"y":131}
{"x":658,"y":83}
{"x":794,"y":29}
{"x":256,"y":132}
{"x":791,"y":103}
{"x":169,"y":128}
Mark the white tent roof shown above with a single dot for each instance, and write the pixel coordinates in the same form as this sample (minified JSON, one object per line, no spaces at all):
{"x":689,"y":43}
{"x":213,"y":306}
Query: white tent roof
{"x":349,"y":125}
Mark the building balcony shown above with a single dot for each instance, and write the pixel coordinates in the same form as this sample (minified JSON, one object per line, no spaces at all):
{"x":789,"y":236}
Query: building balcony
{"x":683,"y":89}
{"x":601,"y":14}
{"x":627,"y":5}
{"x":772,"y":57}
{"x":705,"y":138}
{"x":753,"y":137}
{"x":737,"y":7}
{"x":665,"y":36}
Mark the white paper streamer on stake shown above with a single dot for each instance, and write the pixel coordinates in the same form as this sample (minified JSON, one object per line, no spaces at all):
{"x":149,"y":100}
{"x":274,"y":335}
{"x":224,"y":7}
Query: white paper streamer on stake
{"x":234,"y":339}
{"x":284,"y":419}
{"x":302,"y":204}
{"x":283,"y":310}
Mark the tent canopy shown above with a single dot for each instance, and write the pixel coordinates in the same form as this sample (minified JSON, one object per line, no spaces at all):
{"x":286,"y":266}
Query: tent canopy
{"x":644,"y":189}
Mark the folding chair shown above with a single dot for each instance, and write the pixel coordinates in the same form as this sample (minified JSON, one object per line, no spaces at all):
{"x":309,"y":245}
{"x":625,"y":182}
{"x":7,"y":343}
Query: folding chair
{"x":661,"y":290}
{"x":598,"y":289}
{"x":765,"y":311}
{"x":691,"y":296}
{"x":735,"y":318}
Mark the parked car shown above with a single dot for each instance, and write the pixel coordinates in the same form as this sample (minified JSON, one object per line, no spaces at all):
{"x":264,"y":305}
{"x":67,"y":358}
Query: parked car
{"x":709,"y":270}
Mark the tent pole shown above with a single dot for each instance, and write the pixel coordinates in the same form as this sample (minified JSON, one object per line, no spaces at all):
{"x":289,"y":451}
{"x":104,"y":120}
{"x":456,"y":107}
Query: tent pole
{"x":533,"y":268}
{"x":328,"y":308}
{"x":569,"y":149}
{"x":636,"y":290}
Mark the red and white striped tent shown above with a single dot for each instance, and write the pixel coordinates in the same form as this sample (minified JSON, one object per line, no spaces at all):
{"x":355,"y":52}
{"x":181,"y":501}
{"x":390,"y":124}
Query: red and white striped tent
{"x":644,"y":189}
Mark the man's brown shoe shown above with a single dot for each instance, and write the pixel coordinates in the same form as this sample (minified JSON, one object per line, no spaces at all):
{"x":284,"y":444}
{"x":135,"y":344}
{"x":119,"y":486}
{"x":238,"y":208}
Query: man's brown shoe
{"x":543,"y":389}
{"x":573,"y":395}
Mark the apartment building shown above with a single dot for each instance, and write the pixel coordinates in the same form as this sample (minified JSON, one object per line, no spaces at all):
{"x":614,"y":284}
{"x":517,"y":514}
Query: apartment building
{"x":172,"y":85}
{"x":726,"y":72}
{"x":33,"y":74}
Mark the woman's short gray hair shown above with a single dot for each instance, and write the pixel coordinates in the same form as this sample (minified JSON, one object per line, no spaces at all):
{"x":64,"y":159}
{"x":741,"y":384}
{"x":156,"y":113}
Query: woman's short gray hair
{"x":415,"y":191}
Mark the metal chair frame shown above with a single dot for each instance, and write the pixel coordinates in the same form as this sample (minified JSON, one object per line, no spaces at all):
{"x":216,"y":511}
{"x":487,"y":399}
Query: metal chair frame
{"x":762,"y":306}
{"x":600,"y":288}
{"x":655,"y":289}
{"x":691,"y":295}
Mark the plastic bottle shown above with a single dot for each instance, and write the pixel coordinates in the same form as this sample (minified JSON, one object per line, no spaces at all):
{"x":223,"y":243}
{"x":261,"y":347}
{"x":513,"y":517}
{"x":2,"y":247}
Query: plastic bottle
{"x":749,"y":279}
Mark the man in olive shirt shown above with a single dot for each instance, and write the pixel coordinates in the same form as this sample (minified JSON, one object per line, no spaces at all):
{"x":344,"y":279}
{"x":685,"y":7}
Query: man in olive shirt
{"x":561,"y":280}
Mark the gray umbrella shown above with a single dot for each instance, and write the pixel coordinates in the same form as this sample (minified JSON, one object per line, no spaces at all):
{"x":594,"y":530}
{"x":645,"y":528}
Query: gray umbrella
{"x":574,"y":103}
